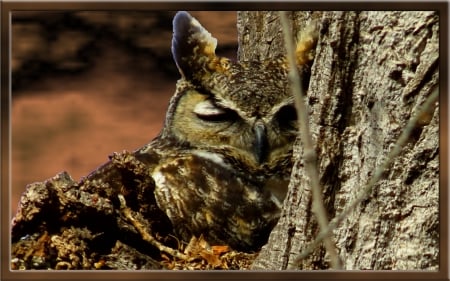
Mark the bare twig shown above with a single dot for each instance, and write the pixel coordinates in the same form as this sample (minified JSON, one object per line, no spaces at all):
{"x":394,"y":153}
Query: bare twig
{"x":145,"y":235}
{"x":310,"y":156}
{"x":401,"y":141}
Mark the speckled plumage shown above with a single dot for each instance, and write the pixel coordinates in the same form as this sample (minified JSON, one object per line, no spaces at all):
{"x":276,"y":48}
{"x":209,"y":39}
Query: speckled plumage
{"x":222,"y":162}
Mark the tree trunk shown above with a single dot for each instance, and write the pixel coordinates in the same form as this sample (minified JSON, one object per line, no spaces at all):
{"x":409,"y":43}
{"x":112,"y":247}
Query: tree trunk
{"x":372,"y":72}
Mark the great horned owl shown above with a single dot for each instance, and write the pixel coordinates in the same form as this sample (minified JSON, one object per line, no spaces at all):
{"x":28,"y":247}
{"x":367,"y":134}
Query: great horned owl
{"x":222,"y":162}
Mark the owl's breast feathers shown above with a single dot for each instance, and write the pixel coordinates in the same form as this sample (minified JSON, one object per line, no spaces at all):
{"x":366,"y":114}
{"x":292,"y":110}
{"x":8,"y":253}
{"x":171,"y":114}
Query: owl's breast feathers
{"x":204,"y":194}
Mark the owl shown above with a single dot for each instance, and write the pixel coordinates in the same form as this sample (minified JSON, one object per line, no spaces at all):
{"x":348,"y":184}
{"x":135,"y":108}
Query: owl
{"x":222,"y":162}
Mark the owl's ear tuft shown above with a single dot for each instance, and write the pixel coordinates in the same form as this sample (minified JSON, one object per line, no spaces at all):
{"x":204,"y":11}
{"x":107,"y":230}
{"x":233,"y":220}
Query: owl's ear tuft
{"x":306,"y":43}
{"x":193,"y":47}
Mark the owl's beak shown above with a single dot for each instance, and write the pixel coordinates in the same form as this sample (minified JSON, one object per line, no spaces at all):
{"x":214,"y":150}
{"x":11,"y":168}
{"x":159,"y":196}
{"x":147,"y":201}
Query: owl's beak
{"x":261,"y":145}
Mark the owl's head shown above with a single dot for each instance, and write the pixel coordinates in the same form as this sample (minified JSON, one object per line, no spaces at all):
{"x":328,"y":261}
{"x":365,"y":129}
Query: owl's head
{"x":245,"y":108}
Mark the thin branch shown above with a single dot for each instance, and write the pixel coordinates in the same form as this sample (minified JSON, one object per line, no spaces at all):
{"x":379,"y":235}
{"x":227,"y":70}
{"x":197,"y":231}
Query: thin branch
{"x":145,"y":235}
{"x":367,"y":190}
{"x":310,"y":156}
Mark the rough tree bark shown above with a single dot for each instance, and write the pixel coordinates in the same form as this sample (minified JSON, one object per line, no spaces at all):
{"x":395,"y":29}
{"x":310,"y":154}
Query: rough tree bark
{"x":371,"y":73}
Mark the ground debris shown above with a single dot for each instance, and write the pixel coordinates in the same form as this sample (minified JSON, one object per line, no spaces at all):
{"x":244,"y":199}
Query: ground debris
{"x":202,"y":256}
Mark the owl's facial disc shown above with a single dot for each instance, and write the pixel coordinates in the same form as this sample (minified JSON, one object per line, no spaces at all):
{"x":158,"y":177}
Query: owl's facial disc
{"x":208,"y":111}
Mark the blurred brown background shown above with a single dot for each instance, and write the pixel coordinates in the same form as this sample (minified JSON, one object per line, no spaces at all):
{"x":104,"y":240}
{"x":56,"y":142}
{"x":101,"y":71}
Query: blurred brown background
{"x":86,"y":84}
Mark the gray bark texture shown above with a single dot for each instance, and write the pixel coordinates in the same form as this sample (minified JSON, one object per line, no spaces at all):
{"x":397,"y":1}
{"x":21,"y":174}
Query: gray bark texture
{"x":371,"y":73}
